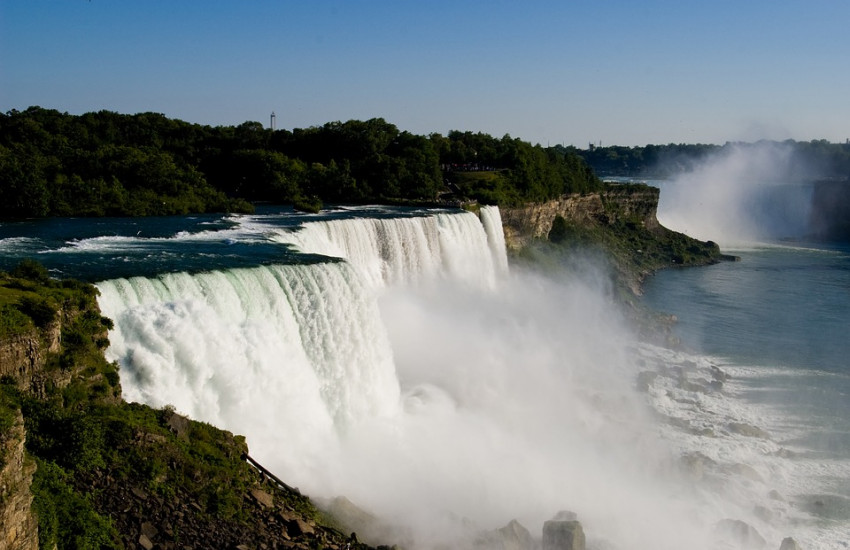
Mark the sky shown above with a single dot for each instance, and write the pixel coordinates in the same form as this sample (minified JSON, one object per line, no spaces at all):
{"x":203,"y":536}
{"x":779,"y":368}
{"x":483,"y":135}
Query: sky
{"x":550,"y":72}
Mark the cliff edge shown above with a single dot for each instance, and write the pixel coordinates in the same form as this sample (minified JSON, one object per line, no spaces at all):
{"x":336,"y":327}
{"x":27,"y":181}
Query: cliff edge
{"x":619,"y":222}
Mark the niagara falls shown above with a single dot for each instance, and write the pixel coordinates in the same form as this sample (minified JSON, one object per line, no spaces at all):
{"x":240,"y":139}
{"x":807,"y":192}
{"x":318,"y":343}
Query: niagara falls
{"x":424,"y":275}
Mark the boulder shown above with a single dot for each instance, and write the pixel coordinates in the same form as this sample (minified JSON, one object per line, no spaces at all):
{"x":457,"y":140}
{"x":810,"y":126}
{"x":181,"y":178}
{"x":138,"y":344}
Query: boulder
{"x":789,"y":544}
{"x":263,"y":498}
{"x":512,"y":536}
{"x":515,"y":537}
{"x":563,"y":535}
{"x":178,"y":424}
{"x":145,"y":542}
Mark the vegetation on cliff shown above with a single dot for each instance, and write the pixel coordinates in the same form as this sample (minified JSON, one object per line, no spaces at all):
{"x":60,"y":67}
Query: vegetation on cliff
{"x":618,"y":229}
{"x":109,"y":164}
{"x":112,"y":474}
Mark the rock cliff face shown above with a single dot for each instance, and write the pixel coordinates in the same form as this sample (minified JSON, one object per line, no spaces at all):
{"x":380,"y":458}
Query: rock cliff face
{"x":22,"y":357}
{"x":632,"y":204}
{"x":18,"y":526}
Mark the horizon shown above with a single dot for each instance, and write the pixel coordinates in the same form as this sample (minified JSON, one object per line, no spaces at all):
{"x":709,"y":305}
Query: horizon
{"x":589,"y":146}
{"x":550,"y":74}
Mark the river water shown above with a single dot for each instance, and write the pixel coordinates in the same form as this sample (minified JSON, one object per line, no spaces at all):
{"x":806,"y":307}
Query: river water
{"x":392,"y":356}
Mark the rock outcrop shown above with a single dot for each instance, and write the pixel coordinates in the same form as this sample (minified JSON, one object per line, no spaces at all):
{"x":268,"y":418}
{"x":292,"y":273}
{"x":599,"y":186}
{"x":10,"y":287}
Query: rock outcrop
{"x":22,"y":357}
{"x":636,"y":204}
{"x":512,"y":536}
{"x":563,"y":535}
{"x":18,"y":525}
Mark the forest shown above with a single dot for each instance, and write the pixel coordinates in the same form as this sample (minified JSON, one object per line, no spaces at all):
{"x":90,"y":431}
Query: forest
{"x":109,"y":164}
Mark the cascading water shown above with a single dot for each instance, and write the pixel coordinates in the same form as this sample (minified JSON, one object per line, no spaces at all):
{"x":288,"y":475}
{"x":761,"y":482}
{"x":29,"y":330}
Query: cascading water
{"x":291,"y":352}
{"x":417,"y":377}
{"x":390,"y":251}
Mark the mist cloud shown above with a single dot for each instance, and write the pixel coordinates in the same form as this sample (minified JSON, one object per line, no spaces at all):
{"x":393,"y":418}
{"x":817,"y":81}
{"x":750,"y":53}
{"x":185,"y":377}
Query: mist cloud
{"x":742,"y":194}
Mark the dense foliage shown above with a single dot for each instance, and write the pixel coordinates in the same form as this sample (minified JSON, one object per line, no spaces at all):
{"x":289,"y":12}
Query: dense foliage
{"x":105,"y":163}
{"x":510,"y":171}
{"x":805,"y":159}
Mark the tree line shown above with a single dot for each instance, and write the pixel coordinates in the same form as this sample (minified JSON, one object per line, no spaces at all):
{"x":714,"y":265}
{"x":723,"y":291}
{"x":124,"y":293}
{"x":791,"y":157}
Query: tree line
{"x":817,"y":159}
{"x":109,"y":164}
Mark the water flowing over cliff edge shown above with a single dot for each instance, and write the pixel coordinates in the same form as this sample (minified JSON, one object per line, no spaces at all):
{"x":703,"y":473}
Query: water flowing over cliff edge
{"x":413,"y":373}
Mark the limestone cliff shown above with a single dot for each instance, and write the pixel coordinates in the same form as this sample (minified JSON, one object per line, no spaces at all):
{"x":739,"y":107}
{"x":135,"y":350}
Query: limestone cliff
{"x":620,"y":222}
{"x":23,"y":356}
{"x":635,"y":204}
{"x":18,"y":525}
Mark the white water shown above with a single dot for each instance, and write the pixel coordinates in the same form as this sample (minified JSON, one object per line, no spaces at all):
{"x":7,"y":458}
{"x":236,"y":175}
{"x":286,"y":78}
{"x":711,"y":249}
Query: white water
{"x":407,"y":250}
{"x":420,"y":380}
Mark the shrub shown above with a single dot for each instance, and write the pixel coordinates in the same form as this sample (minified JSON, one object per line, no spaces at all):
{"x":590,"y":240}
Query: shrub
{"x":31,"y":270}
{"x":38,"y":309}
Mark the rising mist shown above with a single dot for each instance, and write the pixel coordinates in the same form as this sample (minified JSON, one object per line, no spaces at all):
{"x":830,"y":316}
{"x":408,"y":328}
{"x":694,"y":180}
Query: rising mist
{"x":743,"y":193}
{"x":446,"y":404}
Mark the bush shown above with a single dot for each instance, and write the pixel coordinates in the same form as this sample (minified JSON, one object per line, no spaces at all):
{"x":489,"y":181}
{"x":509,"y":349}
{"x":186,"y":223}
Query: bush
{"x":31,"y":270}
{"x":38,"y":309}
{"x":66,"y":518}
{"x":13,"y":322}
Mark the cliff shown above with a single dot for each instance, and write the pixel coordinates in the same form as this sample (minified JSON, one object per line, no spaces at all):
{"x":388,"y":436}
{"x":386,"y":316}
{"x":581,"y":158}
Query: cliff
{"x":619,"y":223}
{"x":18,"y":525}
{"x":622,"y":204}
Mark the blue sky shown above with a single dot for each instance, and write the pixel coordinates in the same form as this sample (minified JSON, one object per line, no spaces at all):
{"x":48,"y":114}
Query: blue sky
{"x":573,"y":72}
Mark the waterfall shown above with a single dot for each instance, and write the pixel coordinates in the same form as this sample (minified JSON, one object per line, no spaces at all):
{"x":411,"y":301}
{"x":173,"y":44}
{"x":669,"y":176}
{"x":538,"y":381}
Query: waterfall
{"x":390,"y":251}
{"x":293,"y":352}
{"x":411,"y":373}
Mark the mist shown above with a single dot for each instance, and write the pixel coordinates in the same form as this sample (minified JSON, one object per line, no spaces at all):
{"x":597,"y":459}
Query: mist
{"x":443,"y":406}
{"x":517,"y":403}
{"x":742,"y":194}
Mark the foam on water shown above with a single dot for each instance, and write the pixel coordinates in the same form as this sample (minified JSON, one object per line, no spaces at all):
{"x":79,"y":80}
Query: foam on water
{"x":743,"y":449}
{"x":424,"y":381}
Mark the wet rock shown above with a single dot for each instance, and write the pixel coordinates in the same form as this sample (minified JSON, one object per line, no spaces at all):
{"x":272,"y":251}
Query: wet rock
{"x":563,"y":535}
{"x":789,"y":543}
{"x":516,"y":537}
{"x":739,"y":534}
{"x":719,"y":375}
